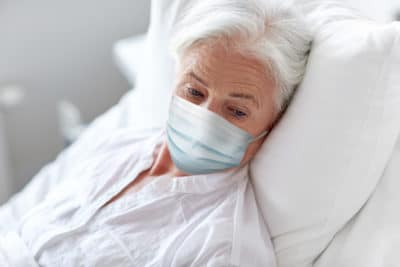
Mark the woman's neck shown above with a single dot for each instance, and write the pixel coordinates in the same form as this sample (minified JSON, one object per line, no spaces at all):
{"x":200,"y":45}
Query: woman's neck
{"x":163,"y":163}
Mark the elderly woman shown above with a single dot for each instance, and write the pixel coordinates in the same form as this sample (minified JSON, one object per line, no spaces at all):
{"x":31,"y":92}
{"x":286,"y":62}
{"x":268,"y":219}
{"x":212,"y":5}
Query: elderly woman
{"x":181,"y":196}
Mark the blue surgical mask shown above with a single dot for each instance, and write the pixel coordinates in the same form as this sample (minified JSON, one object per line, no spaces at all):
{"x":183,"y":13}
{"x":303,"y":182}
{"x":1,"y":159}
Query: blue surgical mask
{"x":200,"y":141}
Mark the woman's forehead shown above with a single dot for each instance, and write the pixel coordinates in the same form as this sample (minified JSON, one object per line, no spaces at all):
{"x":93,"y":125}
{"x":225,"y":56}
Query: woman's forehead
{"x":217,"y":66}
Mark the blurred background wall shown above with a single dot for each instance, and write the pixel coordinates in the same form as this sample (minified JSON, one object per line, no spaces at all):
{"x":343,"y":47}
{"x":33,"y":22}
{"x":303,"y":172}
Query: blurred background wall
{"x":56,"y":50}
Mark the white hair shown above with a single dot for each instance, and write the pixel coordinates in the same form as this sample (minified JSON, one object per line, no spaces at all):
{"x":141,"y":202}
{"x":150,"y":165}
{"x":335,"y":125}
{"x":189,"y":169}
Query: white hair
{"x":272,"y":31}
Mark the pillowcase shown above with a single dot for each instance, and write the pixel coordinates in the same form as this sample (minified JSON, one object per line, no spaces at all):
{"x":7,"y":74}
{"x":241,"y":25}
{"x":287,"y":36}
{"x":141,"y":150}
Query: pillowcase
{"x":323,"y":159}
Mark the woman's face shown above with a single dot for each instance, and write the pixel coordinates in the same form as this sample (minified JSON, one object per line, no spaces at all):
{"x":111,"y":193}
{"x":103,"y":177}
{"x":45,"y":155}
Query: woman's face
{"x":235,"y":87}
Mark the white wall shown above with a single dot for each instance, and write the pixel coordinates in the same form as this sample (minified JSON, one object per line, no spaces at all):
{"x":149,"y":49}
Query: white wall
{"x":60,"y":50}
{"x":4,"y":164}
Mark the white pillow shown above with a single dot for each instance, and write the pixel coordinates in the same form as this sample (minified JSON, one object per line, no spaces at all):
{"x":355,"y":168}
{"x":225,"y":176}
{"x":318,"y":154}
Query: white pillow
{"x":149,"y":102}
{"x":324,"y":158}
{"x":129,"y":56}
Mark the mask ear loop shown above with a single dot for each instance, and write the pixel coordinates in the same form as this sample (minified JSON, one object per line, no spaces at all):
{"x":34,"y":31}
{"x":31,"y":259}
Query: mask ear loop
{"x":260,"y":136}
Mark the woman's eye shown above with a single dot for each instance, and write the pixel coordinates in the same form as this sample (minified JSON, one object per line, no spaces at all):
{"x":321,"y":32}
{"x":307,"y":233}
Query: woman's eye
{"x":195,"y":93}
{"x":237,"y":113}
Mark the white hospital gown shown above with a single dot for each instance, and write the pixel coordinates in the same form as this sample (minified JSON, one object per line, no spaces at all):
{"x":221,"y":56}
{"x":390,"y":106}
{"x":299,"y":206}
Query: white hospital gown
{"x":202,"y":220}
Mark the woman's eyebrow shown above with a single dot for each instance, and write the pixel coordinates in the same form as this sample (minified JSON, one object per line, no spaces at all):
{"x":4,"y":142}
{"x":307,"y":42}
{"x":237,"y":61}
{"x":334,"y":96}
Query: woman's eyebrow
{"x":245,"y":96}
{"x":194,"y":76}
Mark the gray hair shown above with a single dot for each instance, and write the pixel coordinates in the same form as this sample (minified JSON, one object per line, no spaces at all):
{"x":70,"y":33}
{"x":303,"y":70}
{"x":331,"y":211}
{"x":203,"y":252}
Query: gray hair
{"x":272,"y":31}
